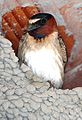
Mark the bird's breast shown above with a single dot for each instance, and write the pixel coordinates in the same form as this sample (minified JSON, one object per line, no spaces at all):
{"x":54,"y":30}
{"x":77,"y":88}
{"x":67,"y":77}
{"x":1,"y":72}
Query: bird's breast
{"x":45,"y":62}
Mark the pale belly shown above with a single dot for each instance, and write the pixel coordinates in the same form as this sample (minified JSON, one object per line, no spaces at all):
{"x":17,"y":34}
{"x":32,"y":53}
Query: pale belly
{"x":47,"y":64}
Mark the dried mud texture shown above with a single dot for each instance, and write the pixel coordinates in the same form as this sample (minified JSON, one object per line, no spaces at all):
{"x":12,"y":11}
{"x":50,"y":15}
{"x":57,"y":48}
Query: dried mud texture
{"x":68,"y":14}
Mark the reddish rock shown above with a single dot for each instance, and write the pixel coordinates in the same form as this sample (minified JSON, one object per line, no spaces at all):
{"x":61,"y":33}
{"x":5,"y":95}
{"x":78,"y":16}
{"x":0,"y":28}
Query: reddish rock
{"x":20,"y":17}
{"x":72,"y":15}
{"x":12,"y":22}
{"x":73,"y":18}
{"x":30,"y":11}
{"x":9,"y":34}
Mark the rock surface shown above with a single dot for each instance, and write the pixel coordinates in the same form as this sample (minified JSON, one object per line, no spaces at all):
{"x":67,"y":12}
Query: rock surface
{"x":21,"y":98}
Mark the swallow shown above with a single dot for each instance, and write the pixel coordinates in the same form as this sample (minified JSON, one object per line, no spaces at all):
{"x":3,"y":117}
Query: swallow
{"x":42,"y":49}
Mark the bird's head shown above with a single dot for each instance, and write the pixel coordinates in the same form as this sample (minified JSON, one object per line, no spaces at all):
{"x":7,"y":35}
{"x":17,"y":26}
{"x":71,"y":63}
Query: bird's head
{"x":41,"y":25}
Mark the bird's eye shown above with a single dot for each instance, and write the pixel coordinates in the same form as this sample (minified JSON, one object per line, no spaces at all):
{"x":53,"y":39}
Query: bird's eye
{"x":43,"y":21}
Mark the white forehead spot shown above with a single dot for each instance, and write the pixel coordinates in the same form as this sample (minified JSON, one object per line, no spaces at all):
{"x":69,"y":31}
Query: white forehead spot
{"x":34,"y":20}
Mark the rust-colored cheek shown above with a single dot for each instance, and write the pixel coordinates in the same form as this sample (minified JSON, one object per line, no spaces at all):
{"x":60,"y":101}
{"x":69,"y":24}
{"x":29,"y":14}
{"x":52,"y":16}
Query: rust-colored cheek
{"x":48,"y":28}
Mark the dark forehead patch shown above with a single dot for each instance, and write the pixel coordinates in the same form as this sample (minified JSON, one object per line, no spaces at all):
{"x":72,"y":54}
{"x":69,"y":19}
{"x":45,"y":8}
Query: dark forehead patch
{"x":42,"y":15}
{"x":32,"y":28}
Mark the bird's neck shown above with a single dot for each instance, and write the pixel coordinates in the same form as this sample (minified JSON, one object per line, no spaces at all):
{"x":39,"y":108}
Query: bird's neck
{"x":34,"y":43}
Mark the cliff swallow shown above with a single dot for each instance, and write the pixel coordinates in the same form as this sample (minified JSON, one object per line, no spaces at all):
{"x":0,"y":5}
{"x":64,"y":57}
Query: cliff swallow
{"x":42,"y":50}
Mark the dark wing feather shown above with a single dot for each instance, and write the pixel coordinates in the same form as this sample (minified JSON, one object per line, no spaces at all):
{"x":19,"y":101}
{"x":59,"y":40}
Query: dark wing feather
{"x":22,"y":48}
{"x":63,"y":49}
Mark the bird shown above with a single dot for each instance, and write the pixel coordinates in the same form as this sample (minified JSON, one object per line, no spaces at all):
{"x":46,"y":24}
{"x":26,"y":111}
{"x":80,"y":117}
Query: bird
{"x":43,"y":50}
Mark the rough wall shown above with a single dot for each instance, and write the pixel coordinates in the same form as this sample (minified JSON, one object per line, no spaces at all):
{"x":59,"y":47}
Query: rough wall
{"x":68,"y":14}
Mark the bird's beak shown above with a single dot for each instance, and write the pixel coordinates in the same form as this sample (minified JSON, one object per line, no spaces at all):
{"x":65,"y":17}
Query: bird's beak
{"x":32,"y":27}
